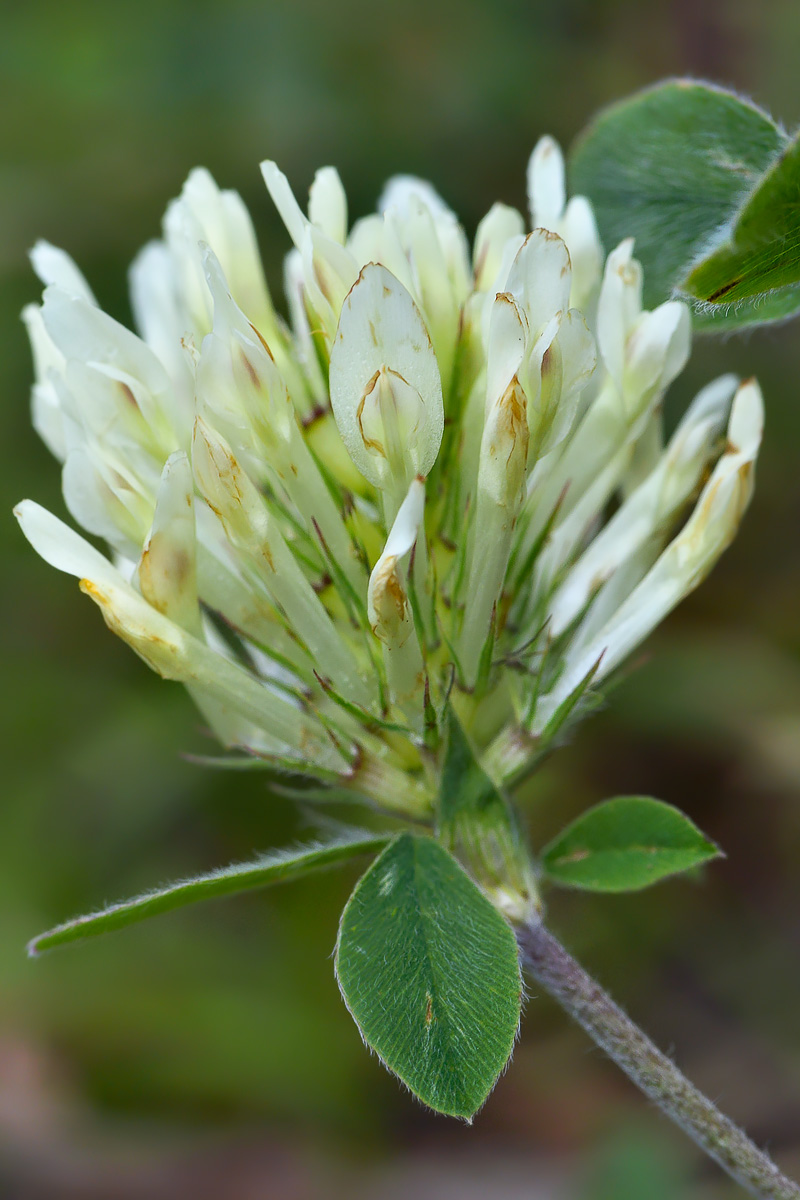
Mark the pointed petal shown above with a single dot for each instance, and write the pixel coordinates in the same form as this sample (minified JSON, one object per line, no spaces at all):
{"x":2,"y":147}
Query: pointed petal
{"x":284,"y":200}
{"x":619,"y":306}
{"x":540,"y":278}
{"x":55,"y":267}
{"x":579,"y":230}
{"x":327,"y":204}
{"x":500,"y":225}
{"x":687,"y":560}
{"x":508,"y":335}
{"x":546,"y":185}
{"x":168,"y":649}
{"x":387,"y":602}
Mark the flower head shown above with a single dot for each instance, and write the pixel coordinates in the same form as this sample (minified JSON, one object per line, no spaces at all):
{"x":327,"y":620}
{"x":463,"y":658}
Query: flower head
{"x":442,"y":483}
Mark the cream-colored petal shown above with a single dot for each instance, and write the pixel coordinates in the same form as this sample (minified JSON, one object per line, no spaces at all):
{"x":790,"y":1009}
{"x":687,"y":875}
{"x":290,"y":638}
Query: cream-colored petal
{"x":167,"y":571}
{"x":55,"y":267}
{"x":327,"y":204}
{"x":546,"y":184}
{"x":381,"y":339}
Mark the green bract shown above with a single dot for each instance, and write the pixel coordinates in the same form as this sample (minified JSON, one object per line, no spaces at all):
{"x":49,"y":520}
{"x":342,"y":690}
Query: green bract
{"x":375,"y":543}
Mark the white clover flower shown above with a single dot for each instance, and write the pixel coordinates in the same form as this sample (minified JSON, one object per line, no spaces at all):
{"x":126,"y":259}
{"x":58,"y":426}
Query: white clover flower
{"x":331,"y":530}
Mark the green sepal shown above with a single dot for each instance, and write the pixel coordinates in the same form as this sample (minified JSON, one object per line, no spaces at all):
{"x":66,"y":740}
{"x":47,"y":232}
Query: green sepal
{"x":626,"y":844}
{"x":430,"y":973}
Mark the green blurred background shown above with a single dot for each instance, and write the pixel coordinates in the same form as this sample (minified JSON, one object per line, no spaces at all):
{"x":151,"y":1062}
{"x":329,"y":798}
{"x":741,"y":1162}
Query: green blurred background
{"x":208,"y":1053}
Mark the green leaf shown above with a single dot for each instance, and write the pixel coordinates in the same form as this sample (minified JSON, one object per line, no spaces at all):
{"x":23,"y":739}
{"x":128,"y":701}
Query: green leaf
{"x":672,"y":167}
{"x":762,"y":252}
{"x":225,"y":881}
{"x":626,"y":844}
{"x":429,"y":971}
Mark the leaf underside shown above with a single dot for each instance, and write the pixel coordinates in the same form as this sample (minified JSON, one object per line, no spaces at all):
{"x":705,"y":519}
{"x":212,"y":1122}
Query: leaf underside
{"x":762,"y":253}
{"x":429,"y":970}
{"x":704,"y":181}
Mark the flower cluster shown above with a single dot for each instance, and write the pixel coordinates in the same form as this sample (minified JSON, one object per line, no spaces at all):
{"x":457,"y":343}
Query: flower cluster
{"x":443,"y":481}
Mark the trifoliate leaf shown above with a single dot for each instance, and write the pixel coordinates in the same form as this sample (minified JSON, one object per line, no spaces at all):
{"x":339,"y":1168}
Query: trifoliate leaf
{"x":626,"y":844}
{"x":225,"y":881}
{"x":429,"y":970}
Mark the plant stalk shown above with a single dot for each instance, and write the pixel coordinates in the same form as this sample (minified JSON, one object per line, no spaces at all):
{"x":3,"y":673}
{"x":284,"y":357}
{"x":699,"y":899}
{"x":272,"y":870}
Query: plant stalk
{"x":653,"y":1073}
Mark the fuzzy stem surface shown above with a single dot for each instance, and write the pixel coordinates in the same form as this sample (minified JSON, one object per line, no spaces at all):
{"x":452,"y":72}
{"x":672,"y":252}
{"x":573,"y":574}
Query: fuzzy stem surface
{"x":654,"y":1073}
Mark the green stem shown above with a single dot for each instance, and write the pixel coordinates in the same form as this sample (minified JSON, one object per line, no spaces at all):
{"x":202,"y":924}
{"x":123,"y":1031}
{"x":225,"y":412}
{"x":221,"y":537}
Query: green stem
{"x":653,"y":1073}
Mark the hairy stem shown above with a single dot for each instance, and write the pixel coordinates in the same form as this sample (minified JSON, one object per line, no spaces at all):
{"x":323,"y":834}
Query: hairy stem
{"x":656,"y":1075}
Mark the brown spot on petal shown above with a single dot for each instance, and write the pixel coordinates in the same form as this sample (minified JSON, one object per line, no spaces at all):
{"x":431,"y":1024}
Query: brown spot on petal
{"x":506,"y":298}
{"x":255,"y":379}
{"x":260,"y":338}
{"x":129,"y":396}
{"x":370,"y":443}
{"x":315,"y":415}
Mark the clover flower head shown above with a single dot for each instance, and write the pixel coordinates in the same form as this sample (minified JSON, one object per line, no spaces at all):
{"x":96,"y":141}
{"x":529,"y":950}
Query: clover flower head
{"x":441,"y":483}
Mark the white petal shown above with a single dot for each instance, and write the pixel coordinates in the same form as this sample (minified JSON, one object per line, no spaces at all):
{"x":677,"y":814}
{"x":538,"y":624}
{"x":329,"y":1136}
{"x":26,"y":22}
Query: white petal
{"x":508,"y":334}
{"x":61,"y":546}
{"x":167,"y":648}
{"x":400,"y":190}
{"x":54,"y":266}
{"x":688,"y":558}
{"x":47,"y":415}
{"x":389,"y":609}
{"x":658,"y":348}
{"x":205,"y":213}
{"x":619,"y":306}
{"x":85,"y":333}
{"x":294,"y":287}
{"x":252,"y":528}
{"x":167,"y":570}
{"x":159,"y":317}
{"x":657,"y":500}
{"x":579,"y":353}
{"x":500,"y":225}
{"x":407,"y":523}
{"x":564,"y":357}
{"x":98,"y":508}
{"x":327,"y":204}
{"x":284,"y":200}
{"x":374,"y":239}
{"x":579,"y":230}
{"x":546,"y":186}
{"x":540,"y":278}
{"x":381,"y":327}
